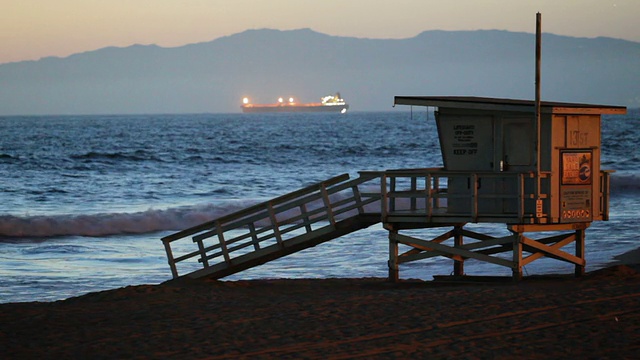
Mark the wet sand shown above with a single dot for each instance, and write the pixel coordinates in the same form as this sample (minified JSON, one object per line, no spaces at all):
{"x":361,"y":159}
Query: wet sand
{"x":596,"y":316}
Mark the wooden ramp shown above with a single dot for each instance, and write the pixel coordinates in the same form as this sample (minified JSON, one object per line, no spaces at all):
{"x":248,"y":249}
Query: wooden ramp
{"x":275,"y":228}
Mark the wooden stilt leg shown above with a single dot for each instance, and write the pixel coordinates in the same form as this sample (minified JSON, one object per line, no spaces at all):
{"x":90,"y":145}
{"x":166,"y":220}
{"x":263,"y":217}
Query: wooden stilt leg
{"x":517,"y":257}
{"x":579,"y":269}
{"x":458,"y":265}
{"x":394,"y":275}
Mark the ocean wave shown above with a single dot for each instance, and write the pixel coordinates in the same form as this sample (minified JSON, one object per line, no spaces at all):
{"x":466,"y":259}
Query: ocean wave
{"x":6,"y":158}
{"x":54,"y":249}
{"x":94,"y":225}
{"x":48,"y":191}
{"x":627,"y":183}
{"x":138,"y":155}
{"x":149,"y":221}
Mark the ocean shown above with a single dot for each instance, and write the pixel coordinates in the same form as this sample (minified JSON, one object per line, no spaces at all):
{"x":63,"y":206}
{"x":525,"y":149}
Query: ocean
{"x":85,"y":200}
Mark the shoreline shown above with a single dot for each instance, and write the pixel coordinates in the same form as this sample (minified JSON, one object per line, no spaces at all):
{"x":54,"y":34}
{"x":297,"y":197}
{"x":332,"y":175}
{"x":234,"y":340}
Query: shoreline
{"x":597,"y":315}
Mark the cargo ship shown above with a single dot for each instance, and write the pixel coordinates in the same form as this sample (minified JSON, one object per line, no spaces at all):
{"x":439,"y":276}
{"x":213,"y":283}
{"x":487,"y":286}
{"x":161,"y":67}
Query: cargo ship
{"x":329,"y":103}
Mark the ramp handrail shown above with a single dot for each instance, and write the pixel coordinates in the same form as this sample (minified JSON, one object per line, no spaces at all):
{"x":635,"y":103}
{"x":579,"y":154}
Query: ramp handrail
{"x":272,"y":223}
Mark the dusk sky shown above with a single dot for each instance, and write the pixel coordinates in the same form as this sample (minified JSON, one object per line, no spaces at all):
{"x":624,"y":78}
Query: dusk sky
{"x":31,"y":29}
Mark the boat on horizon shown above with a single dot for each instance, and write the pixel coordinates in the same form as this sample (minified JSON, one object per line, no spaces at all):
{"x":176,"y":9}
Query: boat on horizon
{"x":329,"y":103}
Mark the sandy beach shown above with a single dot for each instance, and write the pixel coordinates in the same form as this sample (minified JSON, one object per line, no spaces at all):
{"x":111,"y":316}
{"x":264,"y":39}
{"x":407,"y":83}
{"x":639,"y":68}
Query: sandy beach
{"x":596,"y":316}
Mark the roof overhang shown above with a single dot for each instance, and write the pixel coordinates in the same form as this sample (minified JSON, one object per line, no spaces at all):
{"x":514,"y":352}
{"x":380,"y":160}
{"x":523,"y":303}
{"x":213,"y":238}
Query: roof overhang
{"x":497,"y":104}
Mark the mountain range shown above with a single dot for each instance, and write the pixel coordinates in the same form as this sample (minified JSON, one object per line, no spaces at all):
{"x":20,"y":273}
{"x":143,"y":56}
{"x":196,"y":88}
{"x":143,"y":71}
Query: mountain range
{"x":265,"y":64}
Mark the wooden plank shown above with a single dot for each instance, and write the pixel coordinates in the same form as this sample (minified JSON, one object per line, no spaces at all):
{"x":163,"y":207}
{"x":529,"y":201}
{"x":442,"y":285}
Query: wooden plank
{"x":211,"y":256}
{"x":305,"y":217}
{"x":384,"y":200}
{"x":458,"y":264}
{"x":501,"y":249}
{"x":205,"y":235}
{"x":438,"y":239}
{"x":411,"y":257}
{"x":186,"y":256}
{"x":394,"y":271}
{"x":579,"y":268}
{"x":566,"y":240}
{"x":414,"y":185}
{"x":430,"y":201}
{"x":420,"y":252}
{"x":451,"y":250}
{"x":559,"y":241}
{"x":172,"y":263}
{"x":443,"y":237}
{"x":590,"y":110}
{"x":476,"y":235}
{"x":553,"y":250}
{"x":223,"y":246}
{"x":516,"y":269}
{"x":274,"y":225}
{"x":521,"y":194}
{"x":522,"y":228}
{"x":474,"y":246}
{"x":203,"y":254}
{"x":327,"y":205}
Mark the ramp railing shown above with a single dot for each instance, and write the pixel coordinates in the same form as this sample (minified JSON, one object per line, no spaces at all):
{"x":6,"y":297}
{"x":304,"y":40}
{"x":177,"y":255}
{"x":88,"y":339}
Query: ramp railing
{"x":260,"y":231}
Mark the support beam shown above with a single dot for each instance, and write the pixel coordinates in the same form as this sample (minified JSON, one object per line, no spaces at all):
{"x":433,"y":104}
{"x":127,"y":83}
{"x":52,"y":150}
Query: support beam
{"x":483,"y":247}
{"x":458,"y":241}
{"x":517,"y":257}
{"x":537,"y":254}
{"x":579,"y":268}
{"x":429,"y":252}
{"x":447,"y":250}
{"x":394,"y":274}
{"x":553,"y":251}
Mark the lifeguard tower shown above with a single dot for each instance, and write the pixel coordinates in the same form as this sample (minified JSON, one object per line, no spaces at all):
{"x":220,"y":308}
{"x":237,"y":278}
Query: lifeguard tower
{"x":536,"y":172}
{"x":505,"y":164}
{"x":532,"y":166}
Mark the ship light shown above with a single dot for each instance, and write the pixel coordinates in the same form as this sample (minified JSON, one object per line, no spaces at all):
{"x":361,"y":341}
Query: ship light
{"x":280,"y":100}
{"x":291,"y":100}
{"x":245,"y":101}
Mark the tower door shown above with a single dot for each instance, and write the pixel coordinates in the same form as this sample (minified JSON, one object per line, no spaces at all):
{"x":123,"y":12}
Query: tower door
{"x":517,"y":144}
{"x":514,"y":154}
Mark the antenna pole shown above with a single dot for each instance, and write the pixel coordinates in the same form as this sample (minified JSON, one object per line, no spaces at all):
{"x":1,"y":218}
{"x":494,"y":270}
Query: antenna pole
{"x":537,"y":105}
{"x":538,"y":56}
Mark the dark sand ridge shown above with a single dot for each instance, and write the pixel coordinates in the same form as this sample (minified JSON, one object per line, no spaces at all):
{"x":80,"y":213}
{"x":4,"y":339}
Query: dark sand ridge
{"x":596,"y":316}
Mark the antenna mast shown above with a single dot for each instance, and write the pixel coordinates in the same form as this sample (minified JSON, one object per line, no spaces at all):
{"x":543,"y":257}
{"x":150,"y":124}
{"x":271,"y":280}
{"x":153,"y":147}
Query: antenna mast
{"x":537,"y":105}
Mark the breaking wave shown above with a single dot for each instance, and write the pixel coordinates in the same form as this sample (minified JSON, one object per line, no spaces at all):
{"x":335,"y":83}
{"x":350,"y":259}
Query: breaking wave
{"x":625,"y":183}
{"x":113,"y":223}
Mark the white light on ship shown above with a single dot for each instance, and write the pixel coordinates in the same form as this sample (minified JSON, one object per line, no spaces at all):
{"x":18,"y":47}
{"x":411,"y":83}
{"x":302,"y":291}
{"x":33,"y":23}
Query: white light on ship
{"x":280,"y":100}
{"x":290,"y":99}
{"x":245,"y":100}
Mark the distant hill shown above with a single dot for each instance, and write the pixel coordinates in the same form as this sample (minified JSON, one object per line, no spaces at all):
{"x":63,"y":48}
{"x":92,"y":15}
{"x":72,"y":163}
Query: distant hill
{"x":264,"y":64}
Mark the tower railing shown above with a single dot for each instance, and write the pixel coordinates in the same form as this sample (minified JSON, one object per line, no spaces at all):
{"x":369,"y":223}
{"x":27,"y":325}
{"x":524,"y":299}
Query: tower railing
{"x":438,"y":195}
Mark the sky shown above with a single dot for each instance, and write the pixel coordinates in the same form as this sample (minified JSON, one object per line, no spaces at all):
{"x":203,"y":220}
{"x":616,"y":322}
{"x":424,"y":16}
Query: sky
{"x":32,"y":29}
